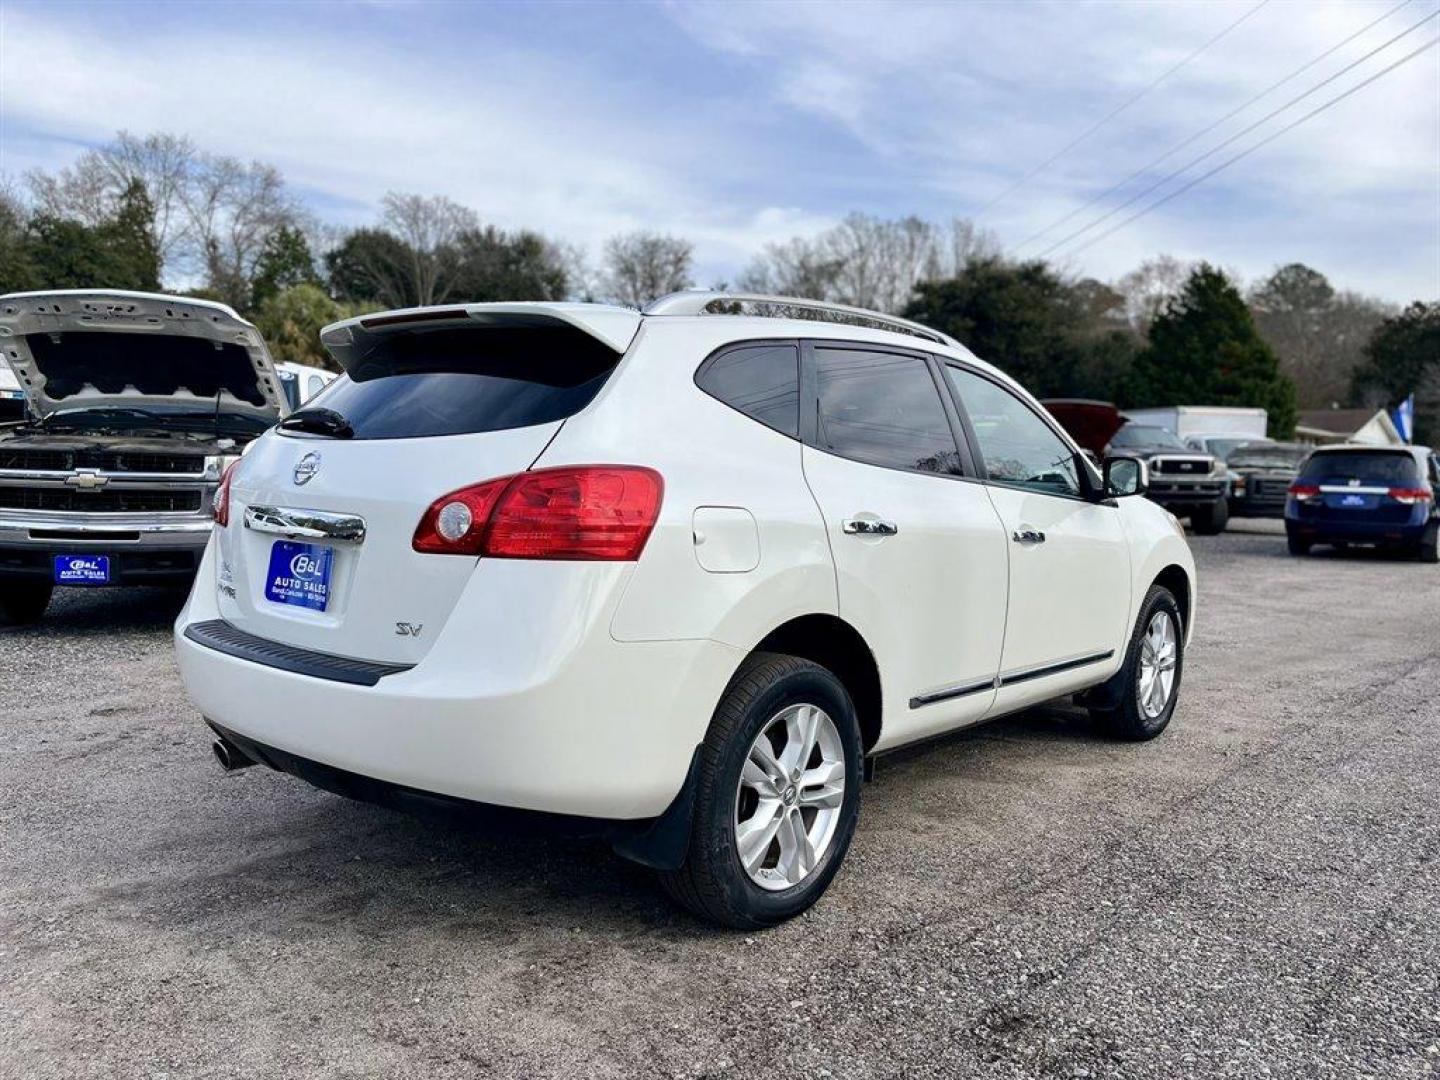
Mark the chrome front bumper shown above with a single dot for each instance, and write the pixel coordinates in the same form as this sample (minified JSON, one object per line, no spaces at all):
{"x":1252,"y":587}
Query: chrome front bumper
{"x":87,"y":531}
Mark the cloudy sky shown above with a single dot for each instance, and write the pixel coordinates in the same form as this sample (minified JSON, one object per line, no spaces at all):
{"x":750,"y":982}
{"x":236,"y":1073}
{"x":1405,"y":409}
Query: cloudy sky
{"x":738,"y":124}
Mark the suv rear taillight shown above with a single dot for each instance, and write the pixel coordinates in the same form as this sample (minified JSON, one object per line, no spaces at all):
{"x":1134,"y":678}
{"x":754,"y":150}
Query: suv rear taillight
{"x":1305,"y":492}
{"x":220,"y":501}
{"x":585,"y":512}
{"x":1410,"y":496}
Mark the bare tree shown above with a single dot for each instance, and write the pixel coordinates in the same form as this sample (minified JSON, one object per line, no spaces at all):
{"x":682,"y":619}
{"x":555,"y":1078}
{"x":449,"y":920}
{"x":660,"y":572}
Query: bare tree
{"x":867,"y":261}
{"x":640,"y":266}
{"x":794,"y":268}
{"x":1318,"y":334}
{"x":89,"y":191}
{"x":232,"y":208}
{"x":429,"y":227}
{"x":1149,"y":287}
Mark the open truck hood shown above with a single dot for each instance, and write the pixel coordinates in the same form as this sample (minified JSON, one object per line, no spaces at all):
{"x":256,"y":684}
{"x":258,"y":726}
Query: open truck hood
{"x":83,"y":348}
{"x":1092,"y":424}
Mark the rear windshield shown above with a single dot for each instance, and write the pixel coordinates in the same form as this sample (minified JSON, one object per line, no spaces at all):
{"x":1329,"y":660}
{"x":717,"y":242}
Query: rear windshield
{"x":1267,"y":456}
{"x":1368,"y":468}
{"x":462,"y":380}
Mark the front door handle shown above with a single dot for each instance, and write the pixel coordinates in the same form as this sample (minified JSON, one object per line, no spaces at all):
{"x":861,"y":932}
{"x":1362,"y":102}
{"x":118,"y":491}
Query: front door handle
{"x":870,"y":526}
{"x":1028,"y":535}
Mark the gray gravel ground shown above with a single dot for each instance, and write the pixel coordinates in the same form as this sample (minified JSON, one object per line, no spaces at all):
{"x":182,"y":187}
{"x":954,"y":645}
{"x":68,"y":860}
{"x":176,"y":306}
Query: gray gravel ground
{"x":1255,"y":894}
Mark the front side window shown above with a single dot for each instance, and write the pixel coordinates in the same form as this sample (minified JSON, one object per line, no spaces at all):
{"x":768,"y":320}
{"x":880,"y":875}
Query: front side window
{"x":761,"y":380}
{"x":883,"y":409}
{"x":1018,"y":447}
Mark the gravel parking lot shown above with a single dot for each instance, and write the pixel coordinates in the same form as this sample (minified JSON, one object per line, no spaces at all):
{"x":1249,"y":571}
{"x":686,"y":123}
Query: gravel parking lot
{"x":1254,"y":894}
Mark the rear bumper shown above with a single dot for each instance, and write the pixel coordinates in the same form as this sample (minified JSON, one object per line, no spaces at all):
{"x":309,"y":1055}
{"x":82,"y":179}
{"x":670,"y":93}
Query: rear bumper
{"x":1350,"y":532}
{"x":592,"y":728}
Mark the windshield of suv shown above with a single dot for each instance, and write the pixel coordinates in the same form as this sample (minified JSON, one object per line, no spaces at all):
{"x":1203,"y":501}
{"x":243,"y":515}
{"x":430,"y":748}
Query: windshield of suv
{"x":1377,"y":467}
{"x":1147,"y":435}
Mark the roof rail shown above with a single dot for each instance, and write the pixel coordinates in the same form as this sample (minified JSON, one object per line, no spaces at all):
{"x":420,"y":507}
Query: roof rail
{"x":703,"y":302}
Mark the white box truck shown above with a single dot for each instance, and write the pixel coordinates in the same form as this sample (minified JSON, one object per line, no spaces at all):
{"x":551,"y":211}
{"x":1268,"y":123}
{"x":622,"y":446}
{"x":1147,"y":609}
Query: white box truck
{"x":1216,"y":429}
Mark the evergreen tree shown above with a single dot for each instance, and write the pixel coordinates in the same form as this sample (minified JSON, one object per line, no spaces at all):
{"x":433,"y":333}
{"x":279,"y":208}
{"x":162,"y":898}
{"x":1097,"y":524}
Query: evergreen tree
{"x":1204,"y":350}
{"x":1403,"y":358}
{"x":130,"y":239}
{"x":285,"y":261}
{"x":1028,"y":321}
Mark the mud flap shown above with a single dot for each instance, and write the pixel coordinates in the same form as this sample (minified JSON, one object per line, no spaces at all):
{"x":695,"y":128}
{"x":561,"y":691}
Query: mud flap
{"x":663,"y":843}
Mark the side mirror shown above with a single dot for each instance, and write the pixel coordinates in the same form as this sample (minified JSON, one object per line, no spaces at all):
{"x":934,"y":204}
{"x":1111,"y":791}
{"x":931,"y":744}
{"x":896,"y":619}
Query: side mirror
{"x":1126,"y":476}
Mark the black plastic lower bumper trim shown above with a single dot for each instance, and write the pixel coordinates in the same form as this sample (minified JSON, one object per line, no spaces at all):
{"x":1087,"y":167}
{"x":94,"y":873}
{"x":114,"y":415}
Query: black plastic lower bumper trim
{"x":219,"y":635}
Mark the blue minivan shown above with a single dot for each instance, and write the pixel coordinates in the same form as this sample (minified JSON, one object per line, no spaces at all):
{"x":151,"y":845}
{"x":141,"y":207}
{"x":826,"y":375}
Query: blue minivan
{"x":1381,"y":495}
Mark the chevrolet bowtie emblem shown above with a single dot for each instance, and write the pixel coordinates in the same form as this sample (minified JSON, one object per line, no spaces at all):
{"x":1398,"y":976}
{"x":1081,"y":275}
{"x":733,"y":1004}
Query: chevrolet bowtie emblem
{"x":87,"y":481}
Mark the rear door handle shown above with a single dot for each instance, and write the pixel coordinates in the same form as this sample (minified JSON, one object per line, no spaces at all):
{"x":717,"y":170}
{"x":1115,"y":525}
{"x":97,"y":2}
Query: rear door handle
{"x":870,"y":526}
{"x":1027,"y":535}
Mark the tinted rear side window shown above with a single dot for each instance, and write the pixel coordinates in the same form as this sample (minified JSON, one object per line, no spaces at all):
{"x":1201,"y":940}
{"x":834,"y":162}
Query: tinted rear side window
{"x":462,"y":380}
{"x":883,"y":409}
{"x":762,"y":381}
{"x":1368,"y":468}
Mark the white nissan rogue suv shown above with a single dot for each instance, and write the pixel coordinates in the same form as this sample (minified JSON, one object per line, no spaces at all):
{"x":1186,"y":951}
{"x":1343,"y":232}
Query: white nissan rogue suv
{"x":669,"y":577}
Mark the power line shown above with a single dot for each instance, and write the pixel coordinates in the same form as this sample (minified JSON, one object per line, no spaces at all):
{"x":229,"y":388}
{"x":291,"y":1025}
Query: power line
{"x":1250,"y":150}
{"x":1115,"y":112}
{"x":1206,"y":130}
{"x":1238,"y":135}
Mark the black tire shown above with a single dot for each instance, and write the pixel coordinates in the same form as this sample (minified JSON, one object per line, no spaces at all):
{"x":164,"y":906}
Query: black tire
{"x":1297,"y":546}
{"x":1210,"y":520}
{"x":1429,"y":550}
{"x":713,"y":883}
{"x":1125,"y":719}
{"x":23,"y":602}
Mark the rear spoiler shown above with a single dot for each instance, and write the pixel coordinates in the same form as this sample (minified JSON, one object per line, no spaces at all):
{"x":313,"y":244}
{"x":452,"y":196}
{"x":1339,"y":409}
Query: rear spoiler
{"x":613,"y":327}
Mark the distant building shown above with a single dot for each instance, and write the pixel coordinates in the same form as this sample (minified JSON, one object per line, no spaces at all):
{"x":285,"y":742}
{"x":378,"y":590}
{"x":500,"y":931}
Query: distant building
{"x":1370,"y":426}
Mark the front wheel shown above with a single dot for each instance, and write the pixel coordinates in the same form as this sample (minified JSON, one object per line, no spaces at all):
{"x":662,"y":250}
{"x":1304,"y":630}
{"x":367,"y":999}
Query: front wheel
{"x":777,"y":795}
{"x":1145,"y":689}
{"x":23,"y":602}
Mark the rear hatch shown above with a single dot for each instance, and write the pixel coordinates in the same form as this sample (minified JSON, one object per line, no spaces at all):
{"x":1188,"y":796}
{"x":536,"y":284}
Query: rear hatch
{"x":431,"y":401}
{"x":1361,"y":485}
{"x":164,"y":355}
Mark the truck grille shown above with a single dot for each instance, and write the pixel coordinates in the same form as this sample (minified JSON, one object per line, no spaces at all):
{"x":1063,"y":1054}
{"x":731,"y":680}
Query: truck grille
{"x":1181,"y":466}
{"x":105,"y":501}
{"x":121,"y":461}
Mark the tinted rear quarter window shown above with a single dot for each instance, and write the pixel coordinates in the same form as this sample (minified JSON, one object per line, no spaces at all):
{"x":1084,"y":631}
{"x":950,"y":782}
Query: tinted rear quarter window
{"x":463,"y":380}
{"x":1376,"y":467}
{"x":760,"y":380}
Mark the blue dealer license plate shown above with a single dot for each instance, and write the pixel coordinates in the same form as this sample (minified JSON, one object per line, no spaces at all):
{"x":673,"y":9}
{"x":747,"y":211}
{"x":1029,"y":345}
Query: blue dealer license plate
{"x":82,"y":569}
{"x":299,"y":574}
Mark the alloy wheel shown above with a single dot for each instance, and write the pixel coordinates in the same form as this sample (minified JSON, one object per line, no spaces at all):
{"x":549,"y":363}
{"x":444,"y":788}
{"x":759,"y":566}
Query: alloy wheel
{"x":787,"y":804}
{"x":1159,"y":653}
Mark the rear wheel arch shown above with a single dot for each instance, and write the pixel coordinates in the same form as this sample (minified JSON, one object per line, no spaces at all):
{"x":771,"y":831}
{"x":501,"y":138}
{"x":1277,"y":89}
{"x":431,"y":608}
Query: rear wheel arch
{"x":838,"y":647}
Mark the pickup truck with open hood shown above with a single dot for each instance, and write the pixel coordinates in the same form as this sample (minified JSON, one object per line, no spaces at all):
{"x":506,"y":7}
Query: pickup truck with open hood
{"x":137,"y":403}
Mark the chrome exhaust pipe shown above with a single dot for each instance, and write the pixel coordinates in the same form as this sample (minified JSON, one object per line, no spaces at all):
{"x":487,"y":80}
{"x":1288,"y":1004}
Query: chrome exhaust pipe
{"x":230,"y":756}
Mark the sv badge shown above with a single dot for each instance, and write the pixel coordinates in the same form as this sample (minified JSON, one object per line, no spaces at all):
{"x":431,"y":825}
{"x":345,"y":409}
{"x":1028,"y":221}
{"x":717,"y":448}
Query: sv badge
{"x":405,"y":629}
